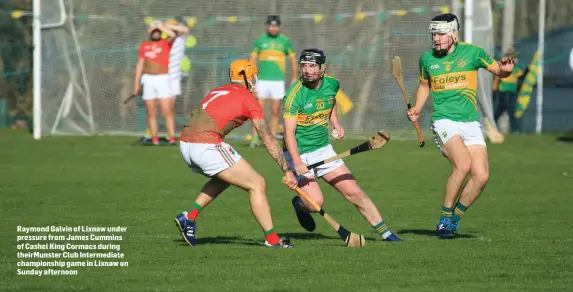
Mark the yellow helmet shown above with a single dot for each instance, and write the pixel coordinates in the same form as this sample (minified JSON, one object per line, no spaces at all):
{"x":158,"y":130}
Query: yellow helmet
{"x":171,"y":21}
{"x":243,"y":71}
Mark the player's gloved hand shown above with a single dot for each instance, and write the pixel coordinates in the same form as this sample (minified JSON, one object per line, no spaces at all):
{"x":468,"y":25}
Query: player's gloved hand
{"x":413,"y":114}
{"x":300,"y":168}
{"x":290,"y":180}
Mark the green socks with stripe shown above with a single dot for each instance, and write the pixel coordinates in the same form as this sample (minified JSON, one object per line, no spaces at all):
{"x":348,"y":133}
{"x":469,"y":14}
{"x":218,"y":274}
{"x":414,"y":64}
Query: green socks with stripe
{"x":382,"y":229}
{"x":446,"y":213}
{"x":459,"y":211}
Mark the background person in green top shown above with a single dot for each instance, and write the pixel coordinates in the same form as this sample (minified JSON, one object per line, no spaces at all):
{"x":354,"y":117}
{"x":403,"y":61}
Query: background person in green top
{"x":272,"y":49}
{"x":449,"y":73}
{"x":505,"y":96}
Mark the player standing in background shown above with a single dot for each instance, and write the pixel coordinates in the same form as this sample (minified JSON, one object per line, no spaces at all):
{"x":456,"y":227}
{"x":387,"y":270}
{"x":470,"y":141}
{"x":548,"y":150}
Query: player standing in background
{"x":176,"y":55}
{"x":152,"y":72}
{"x":224,"y":109}
{"x":309,"y":108}
{"x":505,"y":97}
{"x":271,"y":49}
{"x":450,"y":73}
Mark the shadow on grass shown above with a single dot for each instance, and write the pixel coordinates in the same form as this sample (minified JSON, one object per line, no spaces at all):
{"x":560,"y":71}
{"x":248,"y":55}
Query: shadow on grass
{"x":568,"y":138}
{"x":244,"y":241}
{"x":307,"y":236}
{"x":318,"y":236}
{"x":430,"y":232}
{"x":222,"y":240}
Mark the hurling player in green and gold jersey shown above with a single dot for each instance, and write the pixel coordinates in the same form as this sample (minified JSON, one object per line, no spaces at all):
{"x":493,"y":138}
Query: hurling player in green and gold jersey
{"x":309,"y":111}
{"x":272,"y":50}
{"x":449,"y":72}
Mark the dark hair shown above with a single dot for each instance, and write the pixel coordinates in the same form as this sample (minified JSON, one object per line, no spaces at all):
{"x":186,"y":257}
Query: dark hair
{"x":273,"y":20}
{"x":448,"y":17}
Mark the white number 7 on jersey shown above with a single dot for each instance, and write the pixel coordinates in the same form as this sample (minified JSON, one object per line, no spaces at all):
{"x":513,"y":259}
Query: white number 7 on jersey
{"x":215,"y":95}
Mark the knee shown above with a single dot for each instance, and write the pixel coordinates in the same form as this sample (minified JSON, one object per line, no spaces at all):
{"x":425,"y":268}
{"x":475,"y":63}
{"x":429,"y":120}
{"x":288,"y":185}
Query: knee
{"x":151,"y":114}
{"x":463,"y":168}
{"x":314,"y":193}
{"x":481,"y":177}
{"x":319,"y":202}
{"x":259,"y":184}
{"x":275,"y":111}
{"x":166,"y":111}
{"x":355,"y":196}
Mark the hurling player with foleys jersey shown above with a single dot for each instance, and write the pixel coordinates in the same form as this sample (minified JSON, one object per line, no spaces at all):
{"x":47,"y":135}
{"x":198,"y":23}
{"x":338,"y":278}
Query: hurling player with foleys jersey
{"x":201,"y":144}
{"x":449,"y":72}
{"x":309,"y":109}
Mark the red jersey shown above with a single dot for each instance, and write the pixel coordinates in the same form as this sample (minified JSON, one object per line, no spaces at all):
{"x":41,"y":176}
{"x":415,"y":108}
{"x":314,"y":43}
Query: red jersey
{"x":156,"y":52}
{"x":223,"y":109}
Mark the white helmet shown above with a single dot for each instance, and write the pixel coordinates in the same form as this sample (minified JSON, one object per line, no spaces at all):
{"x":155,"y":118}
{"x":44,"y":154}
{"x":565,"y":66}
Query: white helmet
{"x":444,"y":24}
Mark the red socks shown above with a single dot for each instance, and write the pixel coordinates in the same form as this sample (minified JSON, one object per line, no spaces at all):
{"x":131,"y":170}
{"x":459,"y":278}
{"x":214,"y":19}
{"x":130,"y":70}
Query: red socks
{"x":272,"y":237}
{"x":194,"y":212}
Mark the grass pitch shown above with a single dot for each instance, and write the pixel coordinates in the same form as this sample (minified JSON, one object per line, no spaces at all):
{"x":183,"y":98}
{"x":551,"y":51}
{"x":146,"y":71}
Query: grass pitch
{"x":517,"y":237}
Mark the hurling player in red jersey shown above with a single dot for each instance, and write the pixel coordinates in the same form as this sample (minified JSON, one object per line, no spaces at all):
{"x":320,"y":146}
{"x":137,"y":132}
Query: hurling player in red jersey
{"x":152,"y":72}
{"x":201,"y":143}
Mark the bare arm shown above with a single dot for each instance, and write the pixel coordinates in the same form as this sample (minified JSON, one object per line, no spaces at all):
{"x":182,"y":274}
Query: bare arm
{"x":334,"y":116}
{"x":138,"y":73}
{"x":168,"y":31}
{"x":271,"y":143}
{"x":179,"y":29}
{"x":294,"y":66}
{"x":290,"y":140}
{"x":422,"y":95}
{"x":497,"y":71}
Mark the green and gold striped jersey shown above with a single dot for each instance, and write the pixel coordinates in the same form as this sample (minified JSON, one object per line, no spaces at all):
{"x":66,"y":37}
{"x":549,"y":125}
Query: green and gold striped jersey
{"x":272,"y":53}
{"x":311,"y":108}
{"x":453,"y":81}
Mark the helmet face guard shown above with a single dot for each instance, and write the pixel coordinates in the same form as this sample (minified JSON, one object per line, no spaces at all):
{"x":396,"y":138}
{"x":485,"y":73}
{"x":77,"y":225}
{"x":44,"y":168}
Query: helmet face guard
{"x":443,"y":25}
{"x":251,"y":83}
{"x":311,"y":65}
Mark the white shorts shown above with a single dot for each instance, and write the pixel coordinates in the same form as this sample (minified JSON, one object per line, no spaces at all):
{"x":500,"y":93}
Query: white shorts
{"x":155,"y":86}
{"x":270,"y":89}
{"x":316,"y":156}
{"x":208,"y":159}
{"x":470,"y":132}
{"x":175,"y":87}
